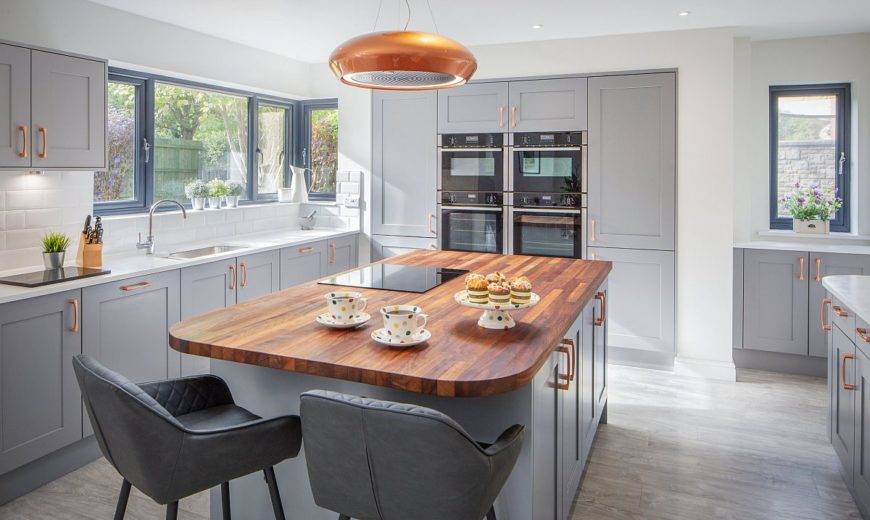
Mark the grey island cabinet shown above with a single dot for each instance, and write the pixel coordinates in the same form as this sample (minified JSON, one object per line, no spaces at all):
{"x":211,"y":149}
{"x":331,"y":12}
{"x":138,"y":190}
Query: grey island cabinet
{"x":844,"y":316}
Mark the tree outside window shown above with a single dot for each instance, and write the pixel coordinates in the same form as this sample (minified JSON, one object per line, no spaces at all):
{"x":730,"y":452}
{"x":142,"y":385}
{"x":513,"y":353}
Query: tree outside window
{"x":323,"y":146}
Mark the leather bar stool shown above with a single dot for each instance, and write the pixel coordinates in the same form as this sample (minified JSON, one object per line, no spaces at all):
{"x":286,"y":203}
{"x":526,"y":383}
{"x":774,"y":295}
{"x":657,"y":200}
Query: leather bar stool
{"x":379,"y":460}
{"x":174,"y":438}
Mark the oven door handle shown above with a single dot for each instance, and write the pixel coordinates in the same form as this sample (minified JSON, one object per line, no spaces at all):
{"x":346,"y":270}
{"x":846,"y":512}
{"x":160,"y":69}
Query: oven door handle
{"x":472,"y":208}
{"x":553,"y":211}
{"x":472,"y":150}
{"x":549,"y":149}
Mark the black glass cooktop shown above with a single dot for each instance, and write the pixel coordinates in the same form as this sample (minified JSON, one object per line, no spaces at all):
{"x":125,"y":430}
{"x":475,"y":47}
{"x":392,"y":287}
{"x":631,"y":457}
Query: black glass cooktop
{"x":50,"y":276}
{"x":395,"y":277}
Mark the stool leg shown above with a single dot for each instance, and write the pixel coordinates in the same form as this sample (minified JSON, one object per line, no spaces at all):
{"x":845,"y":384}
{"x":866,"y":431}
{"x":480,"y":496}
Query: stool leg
{"x":225,"y":500}
{"x":490,"y":515}
{"x":172,"y":511}
{"x":121,"y":509}
{"x":273,"y":493}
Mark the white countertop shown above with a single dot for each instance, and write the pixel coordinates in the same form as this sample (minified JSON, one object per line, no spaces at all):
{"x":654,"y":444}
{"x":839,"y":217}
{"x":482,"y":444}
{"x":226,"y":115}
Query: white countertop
{"x":852,"y":290}
{"x":805,"y":246}
{"x":137,"y":263}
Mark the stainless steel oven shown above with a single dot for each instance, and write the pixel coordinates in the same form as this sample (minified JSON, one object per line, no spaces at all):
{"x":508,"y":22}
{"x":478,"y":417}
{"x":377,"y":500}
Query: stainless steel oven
{"x":548,"y":224}
{"x":472,"y":162}
{"x":473,"y":221}
{"x":548,"y":162}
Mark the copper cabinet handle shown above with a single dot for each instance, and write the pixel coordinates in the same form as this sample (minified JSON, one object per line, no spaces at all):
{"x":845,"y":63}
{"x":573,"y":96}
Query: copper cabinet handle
{"x":567,"y":384}
{"x":602,"y":297}
{"x":572,"y":358}
{"x":135,"y":286}
{"x":23,"y":129}
{"x":244,"y":268}
{"x":801,"y":275}
{"x":862,"y":333}
{"x":75,"y":324}
{"x":846,"y":386}
{"x":513,"y":117}
{"x":501,"y":117}
{"x":232,"y":276}
{"x":818,"y":269}
{"x":304,"y":250}
{"x":332,"y":252}
{"x":44,"y":134}
{"x":592,"y":230}
{"x":430,"y":217}
{"x":839,"y":311}
{"x":826,"y":327}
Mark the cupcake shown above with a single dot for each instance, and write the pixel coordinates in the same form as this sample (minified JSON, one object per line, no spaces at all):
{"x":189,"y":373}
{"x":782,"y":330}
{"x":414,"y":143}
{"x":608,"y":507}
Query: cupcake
{"x":473,"y":276}
{"x":499,"y":294}
{"x":496,"y":277}
{"x":477,"y":289}
{"x":521,"y":290}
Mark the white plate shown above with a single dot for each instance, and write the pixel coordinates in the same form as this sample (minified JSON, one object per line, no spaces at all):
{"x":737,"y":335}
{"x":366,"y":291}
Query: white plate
{"x":329,"y":321}
{"x":381,"y":336}
{"x":462,"y":299}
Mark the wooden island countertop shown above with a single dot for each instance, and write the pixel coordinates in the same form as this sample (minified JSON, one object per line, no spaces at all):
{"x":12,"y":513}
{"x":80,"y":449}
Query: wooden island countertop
{"x":460,"y":360}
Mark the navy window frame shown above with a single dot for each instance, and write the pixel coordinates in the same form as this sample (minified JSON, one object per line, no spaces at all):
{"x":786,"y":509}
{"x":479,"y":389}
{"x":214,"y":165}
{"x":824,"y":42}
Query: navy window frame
{"x":305,"y":141}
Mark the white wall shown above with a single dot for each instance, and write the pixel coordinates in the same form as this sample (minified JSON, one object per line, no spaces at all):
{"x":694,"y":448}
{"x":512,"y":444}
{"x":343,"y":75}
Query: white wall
{"x":830,"y":59}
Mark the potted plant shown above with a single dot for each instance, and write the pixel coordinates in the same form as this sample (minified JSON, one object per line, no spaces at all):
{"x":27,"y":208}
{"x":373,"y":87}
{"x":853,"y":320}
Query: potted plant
{"x":217,"y":190}
{"x":235,"y":189}
{"x":197,"y":191}
{"x":54,"y":246}
{"x":811,"y":208}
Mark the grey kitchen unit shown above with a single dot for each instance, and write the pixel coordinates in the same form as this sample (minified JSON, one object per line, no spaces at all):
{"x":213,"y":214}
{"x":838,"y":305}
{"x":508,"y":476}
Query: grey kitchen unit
{"x":52,"y":109}
{"x":302,"y":263}
{"x":473,"y":108}
{"x":385,"y":246}
{"x":341,"y":254}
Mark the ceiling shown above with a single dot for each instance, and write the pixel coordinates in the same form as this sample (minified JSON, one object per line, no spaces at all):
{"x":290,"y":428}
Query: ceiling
{"x":308,"y":30}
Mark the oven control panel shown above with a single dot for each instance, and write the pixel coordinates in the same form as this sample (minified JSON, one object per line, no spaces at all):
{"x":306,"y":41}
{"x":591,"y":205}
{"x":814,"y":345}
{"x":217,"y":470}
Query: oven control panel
{"x":471,"y":140}
{"x":548,"y":139}
{"x":471,"y":198}
{"x":548,"y":200}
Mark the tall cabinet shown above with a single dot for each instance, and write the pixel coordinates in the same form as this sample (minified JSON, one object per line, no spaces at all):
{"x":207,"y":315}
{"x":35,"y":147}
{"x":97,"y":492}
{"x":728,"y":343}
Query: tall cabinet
{"x":632,"y":208}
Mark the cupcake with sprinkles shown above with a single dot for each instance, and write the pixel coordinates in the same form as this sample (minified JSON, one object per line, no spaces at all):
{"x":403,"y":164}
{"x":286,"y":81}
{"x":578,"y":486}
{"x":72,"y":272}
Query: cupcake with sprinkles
{"x":521,"y":290}
{"x":477,"y":287}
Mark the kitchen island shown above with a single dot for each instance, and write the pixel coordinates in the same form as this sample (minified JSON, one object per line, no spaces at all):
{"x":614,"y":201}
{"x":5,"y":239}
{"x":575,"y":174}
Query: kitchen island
{"x":548,"y":373}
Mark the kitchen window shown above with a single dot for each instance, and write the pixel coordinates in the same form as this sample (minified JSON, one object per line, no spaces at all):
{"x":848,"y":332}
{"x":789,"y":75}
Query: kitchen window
{"x":809,"y":144}
{"x":164,"y":133}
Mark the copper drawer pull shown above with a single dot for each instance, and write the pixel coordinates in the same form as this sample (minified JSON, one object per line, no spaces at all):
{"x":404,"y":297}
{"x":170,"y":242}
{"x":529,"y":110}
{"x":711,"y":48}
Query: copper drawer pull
{"x":592,"y":230}
{"x":23,"y":129}
{"x":514,"y":117}
{"x":429,"y":224}
{"x":801,"y":275}
{"x":600,"y":320}
{"x":75,"y":324}
{"x":501,"y":117}
{"x":846,"y":386}
{"x":839,"y":311}
{"x":232,"y":276}
{"x":862,"y":333}
{"x":567,"y":384}
{"x":332,"y":252}
{"x":135,"y":286}
{"x":572,"y":358}
{"x":304,"y":250}
{"x":826,"y":327}
{"x":44,"y":152}
{"x":818,"y":269}
{"x":244,"y":267}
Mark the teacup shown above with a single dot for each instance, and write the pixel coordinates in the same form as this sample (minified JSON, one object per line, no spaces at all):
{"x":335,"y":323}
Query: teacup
{"x":403,"y":320}
{"x":345,"y":305}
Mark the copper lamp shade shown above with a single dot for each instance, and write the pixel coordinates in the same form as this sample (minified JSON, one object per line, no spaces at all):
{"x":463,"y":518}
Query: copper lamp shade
{"x":402,"y":60}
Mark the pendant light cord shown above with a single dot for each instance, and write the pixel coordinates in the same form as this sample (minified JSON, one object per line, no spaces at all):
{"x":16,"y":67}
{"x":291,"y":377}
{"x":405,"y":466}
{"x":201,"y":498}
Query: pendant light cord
{"x":409,"y":15}
{"x":432,"y":16}
{"x":378,"y":16}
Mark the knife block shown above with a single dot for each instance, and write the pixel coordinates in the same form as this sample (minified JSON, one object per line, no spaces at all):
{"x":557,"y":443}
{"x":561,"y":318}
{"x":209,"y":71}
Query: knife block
{"x":89,"y":255}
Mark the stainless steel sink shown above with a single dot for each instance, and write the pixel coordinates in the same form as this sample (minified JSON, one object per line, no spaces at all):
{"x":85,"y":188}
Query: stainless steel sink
{"x":205,"y":251}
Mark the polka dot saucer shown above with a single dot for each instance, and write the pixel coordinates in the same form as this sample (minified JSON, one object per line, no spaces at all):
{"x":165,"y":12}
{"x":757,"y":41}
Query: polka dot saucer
{"x":330,"y":321}
{"x":384,"y":337}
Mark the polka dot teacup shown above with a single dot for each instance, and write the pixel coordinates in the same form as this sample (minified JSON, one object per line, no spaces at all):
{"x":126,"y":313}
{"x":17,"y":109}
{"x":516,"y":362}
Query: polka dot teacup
{"x":344,"y":306}
{"x":403,"y":320}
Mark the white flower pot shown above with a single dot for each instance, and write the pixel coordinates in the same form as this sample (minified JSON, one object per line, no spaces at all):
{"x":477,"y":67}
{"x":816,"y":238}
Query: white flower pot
{"x":812,"y":227}
{"x":214,"y":202}
{"x":232,"y":201}
{"x":198,"y":202}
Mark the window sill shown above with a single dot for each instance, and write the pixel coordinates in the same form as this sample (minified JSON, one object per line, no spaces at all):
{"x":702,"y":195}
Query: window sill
{"x":787,"y":234}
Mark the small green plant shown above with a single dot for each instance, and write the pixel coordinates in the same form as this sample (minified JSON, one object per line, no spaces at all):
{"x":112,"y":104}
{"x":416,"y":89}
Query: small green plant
{"x":235,"y":188}
{"x":196,"y":190}
{"x":54,"y":242}
{"x":218,"y":188}
{"x":812,"y":202}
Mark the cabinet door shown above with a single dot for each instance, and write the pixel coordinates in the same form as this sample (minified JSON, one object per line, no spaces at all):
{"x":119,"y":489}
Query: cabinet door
{"x":827,"y":264}
{"x":302,"y":263}
{"x":341,"y":254}
{"x":632,"y":161}
{"x":572,"y":439}
{"x":404,"y":163}
{"x":548,"y":105}
{"x":775,"y":296}
{"x":843,"y":413}
{"x":861,"y":469}
{"x":641,"y":298}
{"x":546,"y":414}
{"x":588,"y":424}
{"x":40,"y":404}
{"x":14,"y":107}
{"x":204,"y":288}
{"x":69,"y":111}
{"x":599,"y":353}
{"x":258,"y":275}
{"x":389,"y":246}
{"x":475,"y":107}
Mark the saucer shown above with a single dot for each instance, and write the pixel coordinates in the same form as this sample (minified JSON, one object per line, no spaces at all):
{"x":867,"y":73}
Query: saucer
{"x":381,"y":336}
{"x":329,"y":321}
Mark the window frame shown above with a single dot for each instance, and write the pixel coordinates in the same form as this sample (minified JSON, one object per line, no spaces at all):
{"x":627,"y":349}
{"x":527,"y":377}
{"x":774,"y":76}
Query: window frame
{"x":841,"y":222}
{"x":290,"y":144}
{"x":138,"y":202}
{"x":305,"y":139}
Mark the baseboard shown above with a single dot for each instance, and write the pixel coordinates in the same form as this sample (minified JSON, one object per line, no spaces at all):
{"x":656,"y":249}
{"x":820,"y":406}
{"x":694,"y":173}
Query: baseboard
{"x":25,"y":479}
{"x":782,"y":363}
{"x":705,"y":368}
{"x":640,"y":358}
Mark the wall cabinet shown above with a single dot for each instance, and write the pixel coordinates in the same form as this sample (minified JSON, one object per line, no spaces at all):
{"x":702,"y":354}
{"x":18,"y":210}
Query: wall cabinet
{"x":632,"y":161}
{"x":388,"y":246}
{"x":547,"y":105}
{"x":52,"y":110}
{"x":473,"y":108}
{"x":40,"y":404}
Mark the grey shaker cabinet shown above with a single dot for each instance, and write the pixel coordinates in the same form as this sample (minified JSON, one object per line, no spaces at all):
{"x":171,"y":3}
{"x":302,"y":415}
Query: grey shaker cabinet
{"x":404,"y":163}
{"x":547,"y":105}
{"x":341,"y":254}
{"x":547,"y":418}
{"x":14,"y":106}
{"x":474,"y":107}
{"x":40,"y":405}
{"x":388,"y":246}
{"x":827,"y":264}
{"x":632,"y":161}
{"x":258,"y":275}
{"x":204,"y":288}
{"x":843,"y":402}
{"x":571,"y":430}
{"x":599,"y":354}
{"x":302,"y":263}
{"x":68,"y":96}
{"x":861,"y":437}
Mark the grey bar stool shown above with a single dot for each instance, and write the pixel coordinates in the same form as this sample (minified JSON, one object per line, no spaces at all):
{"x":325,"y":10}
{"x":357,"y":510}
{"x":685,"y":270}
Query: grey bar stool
{"x":174,"y":438}
{"x":379,"y":460}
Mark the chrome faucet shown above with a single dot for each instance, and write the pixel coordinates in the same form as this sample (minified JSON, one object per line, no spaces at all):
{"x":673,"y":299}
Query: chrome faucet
{"x":307,"y":222}
{"x":148,"y":244}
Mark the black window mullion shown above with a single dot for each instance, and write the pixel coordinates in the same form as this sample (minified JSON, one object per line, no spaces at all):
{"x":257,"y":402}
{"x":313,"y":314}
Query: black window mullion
{"x":148,"y":126}
{"x":253,"y":141}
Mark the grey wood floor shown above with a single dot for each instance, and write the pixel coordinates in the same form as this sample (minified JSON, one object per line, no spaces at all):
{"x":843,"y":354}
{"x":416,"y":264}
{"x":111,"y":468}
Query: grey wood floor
{"x":675,"y":448}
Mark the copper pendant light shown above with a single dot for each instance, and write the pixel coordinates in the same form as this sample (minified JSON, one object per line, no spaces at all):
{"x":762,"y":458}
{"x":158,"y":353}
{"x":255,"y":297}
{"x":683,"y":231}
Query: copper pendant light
{"x":402,"y":60}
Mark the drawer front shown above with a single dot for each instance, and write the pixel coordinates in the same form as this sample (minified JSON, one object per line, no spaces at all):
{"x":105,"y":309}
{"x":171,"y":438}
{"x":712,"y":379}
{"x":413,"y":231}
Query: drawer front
{"x":844,"y":318}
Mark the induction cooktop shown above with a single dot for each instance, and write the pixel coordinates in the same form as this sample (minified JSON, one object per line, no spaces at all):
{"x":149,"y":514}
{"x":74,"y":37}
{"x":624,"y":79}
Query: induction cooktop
{"x":50,"y":276}
{"x":395,"y":277}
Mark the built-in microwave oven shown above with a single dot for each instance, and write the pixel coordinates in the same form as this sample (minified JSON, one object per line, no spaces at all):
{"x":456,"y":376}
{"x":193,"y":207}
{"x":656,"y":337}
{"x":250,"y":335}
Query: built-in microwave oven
{"x":553,"y":162}
{"x":472,"y":162}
